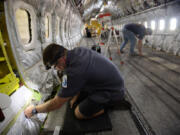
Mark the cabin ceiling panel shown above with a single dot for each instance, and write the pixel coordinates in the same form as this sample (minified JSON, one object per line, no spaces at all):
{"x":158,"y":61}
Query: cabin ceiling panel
{"x":118,"y":8}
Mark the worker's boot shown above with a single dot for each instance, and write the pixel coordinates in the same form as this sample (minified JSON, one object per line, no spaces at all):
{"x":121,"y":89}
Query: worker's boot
{"x":133,"y":54}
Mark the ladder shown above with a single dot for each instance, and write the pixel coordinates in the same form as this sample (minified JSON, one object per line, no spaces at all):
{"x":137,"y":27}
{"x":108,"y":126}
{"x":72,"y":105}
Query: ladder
{"x":108,"y":44}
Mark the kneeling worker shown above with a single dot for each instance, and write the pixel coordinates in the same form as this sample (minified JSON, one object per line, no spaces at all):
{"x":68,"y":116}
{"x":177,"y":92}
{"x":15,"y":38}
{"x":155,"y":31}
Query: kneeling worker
{"x":85,"y":71}
{"x":130,"y":32}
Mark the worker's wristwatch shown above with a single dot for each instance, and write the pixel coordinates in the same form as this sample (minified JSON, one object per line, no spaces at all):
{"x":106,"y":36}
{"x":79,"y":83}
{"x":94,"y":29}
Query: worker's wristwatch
{"x":34,"y":111}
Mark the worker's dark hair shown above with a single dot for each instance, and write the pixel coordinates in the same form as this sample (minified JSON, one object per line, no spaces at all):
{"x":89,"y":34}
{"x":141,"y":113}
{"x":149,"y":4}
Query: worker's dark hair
{"x":148,"y":31}
{"x":51,"y":54}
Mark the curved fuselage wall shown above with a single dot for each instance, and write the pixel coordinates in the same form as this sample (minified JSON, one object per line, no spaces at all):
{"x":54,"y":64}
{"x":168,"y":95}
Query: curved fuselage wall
{"x":64,"y":27}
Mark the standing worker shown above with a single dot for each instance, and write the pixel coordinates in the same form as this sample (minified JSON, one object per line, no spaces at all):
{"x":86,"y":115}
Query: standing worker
{"x":130,"y":32}
{"x":85,"y":71}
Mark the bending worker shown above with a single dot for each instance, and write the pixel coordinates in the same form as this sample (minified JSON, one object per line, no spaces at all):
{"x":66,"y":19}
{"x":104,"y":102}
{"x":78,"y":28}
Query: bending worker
{"x":85,"y":71}
{"x":130,"y":32}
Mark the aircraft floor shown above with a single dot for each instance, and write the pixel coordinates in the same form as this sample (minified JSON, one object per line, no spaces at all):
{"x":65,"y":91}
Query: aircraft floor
{"x":153,"y":86}
{"x":153,"y":83}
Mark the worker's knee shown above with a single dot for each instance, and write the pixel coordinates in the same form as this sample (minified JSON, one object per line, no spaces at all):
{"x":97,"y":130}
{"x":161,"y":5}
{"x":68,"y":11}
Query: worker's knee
{"x":78,"y":114}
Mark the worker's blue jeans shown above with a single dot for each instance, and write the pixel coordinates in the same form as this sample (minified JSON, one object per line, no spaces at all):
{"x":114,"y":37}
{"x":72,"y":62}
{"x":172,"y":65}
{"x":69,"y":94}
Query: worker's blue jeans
{"x":128,"y":36}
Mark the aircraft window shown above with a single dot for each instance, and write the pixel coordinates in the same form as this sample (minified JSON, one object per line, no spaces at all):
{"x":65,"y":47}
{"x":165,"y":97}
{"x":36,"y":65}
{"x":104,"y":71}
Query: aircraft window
{"x":121,"y":26}
{"x":24,"y":25}
{"x":161,"y":25}
{"x":173,"y":23}
{"x":57,"y":27}
{"x":145,"y":24}
{"x":153,"y":25}
{"x":47,"y":26}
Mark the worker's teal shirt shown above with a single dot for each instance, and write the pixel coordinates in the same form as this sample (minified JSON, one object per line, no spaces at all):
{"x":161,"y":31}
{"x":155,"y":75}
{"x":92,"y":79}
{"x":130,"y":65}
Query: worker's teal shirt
{"x":138,"y":29}
{"x":90,"y":71}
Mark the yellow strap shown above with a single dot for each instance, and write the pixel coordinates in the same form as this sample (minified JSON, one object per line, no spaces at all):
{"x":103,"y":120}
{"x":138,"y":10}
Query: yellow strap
{"x":5,"y":54}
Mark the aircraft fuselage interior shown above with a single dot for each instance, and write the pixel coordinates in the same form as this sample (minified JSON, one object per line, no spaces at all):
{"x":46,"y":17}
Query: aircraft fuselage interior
{"x":151,"y":77}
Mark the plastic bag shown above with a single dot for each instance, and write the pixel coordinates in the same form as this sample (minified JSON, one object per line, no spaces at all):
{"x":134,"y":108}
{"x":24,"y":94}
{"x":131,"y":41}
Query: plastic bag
{"x":25,"y":126}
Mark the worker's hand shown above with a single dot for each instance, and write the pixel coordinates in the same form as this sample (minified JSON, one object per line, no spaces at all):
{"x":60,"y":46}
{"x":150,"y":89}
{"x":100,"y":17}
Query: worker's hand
{"x":28,"y":111}
{"x":118,"y":52}
{"x":72,"y":101}
{"x":140,"y":54}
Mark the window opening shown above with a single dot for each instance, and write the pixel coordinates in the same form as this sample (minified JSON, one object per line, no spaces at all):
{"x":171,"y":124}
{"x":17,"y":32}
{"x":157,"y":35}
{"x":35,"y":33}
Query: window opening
{"x":161,"y":25}
{"x":145,"y":24}
{"x":153,"y":25}
{"x":57,"y":27}
{"x":173,"y":23}
{"x":47,"y":27}
{"x":23,"y":19}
